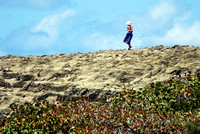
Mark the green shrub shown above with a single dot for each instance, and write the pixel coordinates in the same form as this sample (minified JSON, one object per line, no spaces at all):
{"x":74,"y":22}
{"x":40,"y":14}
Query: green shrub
{"x":193,"y":128}
{"x":161,"y":107}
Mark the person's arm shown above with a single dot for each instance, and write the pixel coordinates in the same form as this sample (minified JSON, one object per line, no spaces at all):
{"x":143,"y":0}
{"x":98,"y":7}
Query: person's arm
{"x":131,"y":29}
{"x":128,"y":28}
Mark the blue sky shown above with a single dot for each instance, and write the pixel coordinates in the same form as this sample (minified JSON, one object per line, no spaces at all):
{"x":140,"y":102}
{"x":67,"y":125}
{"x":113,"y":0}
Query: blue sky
{"x":48,"y":27}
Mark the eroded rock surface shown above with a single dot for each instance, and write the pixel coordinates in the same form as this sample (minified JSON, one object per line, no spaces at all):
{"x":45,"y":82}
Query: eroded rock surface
{"x":92,"y":75}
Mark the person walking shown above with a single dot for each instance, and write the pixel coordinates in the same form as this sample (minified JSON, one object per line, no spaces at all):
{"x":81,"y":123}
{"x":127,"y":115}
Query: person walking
{"x":129,"y":35}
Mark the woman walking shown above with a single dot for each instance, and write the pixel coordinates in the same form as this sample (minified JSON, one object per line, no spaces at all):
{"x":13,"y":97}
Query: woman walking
{"x":129,"y":35}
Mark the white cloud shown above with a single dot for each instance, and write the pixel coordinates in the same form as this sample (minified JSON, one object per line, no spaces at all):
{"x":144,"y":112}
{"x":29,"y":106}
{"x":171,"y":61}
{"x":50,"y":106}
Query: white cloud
{"x":185,"y":16}
{"x":42,"y":37}
{"x":158,"y":18}
{"x":168,"y":23}
{"x":51,"y":23}
{"x":166,"y":13}
{"x":180,"y":34}
{"x":162,"y":11}
{"x":48,"y":29}
{"x":101,"y":41}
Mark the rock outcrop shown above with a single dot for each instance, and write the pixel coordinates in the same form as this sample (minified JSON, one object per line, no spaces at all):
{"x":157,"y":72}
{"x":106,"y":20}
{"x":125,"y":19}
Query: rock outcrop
{"x":92,"y":75}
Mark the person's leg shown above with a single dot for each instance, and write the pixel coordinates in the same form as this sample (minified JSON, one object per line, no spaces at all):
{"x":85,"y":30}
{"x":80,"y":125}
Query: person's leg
{"x":129,"y":46}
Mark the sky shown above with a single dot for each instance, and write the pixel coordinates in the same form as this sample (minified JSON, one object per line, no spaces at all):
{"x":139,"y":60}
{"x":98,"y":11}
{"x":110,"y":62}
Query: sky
{"x":49,"y":27}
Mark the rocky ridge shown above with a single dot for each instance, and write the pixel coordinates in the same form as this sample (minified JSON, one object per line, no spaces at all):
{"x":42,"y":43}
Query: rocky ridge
{"x":92,"y":75}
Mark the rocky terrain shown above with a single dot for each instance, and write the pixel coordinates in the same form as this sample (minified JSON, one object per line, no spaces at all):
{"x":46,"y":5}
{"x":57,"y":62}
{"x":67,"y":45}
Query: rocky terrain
{"x":92,"y":75}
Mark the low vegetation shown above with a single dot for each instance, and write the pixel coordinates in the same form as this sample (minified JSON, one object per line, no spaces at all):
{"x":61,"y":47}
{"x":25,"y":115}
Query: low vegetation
{"x":162,"y":107}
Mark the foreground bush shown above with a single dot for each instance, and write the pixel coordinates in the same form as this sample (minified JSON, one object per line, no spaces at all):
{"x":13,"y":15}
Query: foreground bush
{"x":163,"y":107}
